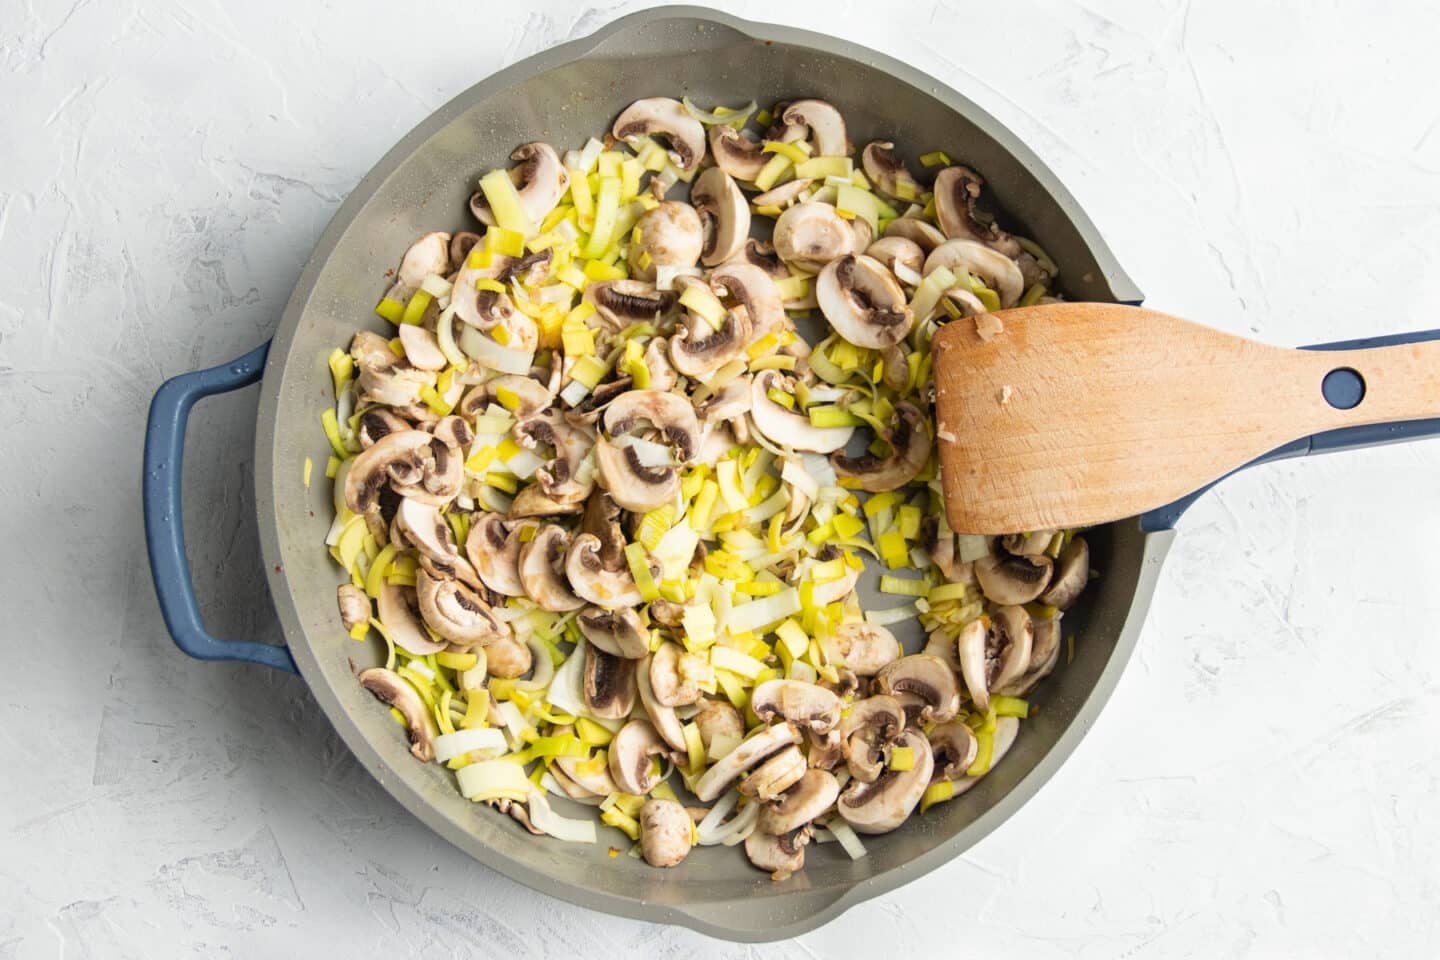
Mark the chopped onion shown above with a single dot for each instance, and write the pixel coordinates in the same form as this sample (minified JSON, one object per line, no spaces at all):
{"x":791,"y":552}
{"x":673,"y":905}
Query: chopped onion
{"x":488,"y":353}
{"x":794,"y":473}
{"x":561,"y":828}
{"x":515,"y":725}
{"x":484,"y":740}
{"x":494,"y":780}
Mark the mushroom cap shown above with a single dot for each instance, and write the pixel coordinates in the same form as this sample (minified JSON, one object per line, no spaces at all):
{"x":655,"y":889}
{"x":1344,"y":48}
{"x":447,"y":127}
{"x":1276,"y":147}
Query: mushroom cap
{"x":957,"y":189}
{"x":786,"y":195}
{"x":901,"y":251}
{"x":671,"y":233}
{"x":776,"y":775}
{"x":666,"y":832}
{"x":1012,"y":635}
{"x":810,"y":235}
{"x":670,"y":415}
{"x":863,"y":647}
{"x":422,"y":349}
{"x":672,"y":689}
{"x":885,"y":170}
{"x":533,"y":501}
{"x":442,"y":474}
{"x":759,"y":745}
{"x":538,"y":573}
{"x":618,"y":632}
{"x":560,"y":477}
{"x":609,"y":684}
{"x":909,"y":441}
{"x":595,"y":781}
{"x":354,"y":605}
{"x":507,"y":658}
{"x":493,"y":549}
{"x":1044,"y":654}
{"x":657,"y":362}
{"x":696,"y":348}
{"x":800,"y":702}
{"x":623,"y":302}
{"x":781,"y":854}
{"x":882,"y":806}
{"x":733,"y":153}
{"x":920,"y":232}
{"x":811,"y":795}
{"x":389,"y":688}
{"x":427,"y":529}
{"x":724,"y":215}
{"x":718,"y":718}
{"x":1072,"y":573}
{"x":953,"y":747}
{"x":1008,"y":579}
{"x":430,"y":254}
{"x":731,"y":402}
{"x":867,"y":732}
{"x":785,"y":427}
{"x":589,"y":578}
{"x":377,"y":423}
{"x":398,"y":609}
{"x":756,"y":291}
{"x":863,"y":301}
{"x":669,"y":120}
{"x":630,"y":752}
{"x":402,"y":454}
{"x":971,"y":645}
{"x":667,"y":722}
{"x":456,"y":612}
{"x":926,"y":677}
{"x":997,"y":270}
{"x":1027,"y":544}
{"x":825,"y":123}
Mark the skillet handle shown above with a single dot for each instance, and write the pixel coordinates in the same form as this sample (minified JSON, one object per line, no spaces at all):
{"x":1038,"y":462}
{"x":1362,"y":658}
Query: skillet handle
{"x":164,"y":523}
{"x":1343,"y":388}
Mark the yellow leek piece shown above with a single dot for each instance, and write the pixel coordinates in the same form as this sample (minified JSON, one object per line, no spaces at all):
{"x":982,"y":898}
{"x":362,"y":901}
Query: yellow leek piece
{"x":893,"y":550}
{"x":734,"y":689}
{"x":902,"y":759}
{"x":377,"y":570}
{"x":415,"y":309}
{"x":901,"y":587}
{"x":694,"y":748}
{"x":702,"y":300}
{"x":630,"y":171}
{"x":773,"y":533}
{"x":776,"y":361}
{"x":833,"y":416}
{"x":986,"y":753}
{"x":332,"y":466}
{"x":391,"y":310}
{"x":760,"y":588}
{"x":610,"y":163}
{"x":908,"y":521}
{"x":599,"y":271}
{"x":828,"y":571}
{"x":505,"y":203}
{"x":639,"y":559}
{"x":655,"y":524}
{"x":823,"y":532}
{"x":936,"y":158}
{"x":796,"y":153}
{"x":792,"y":638}
{"x":481,"y":459}
{"x":946,"y":592}
{"x":309,"y":466}
{"x":342,"y":368}
{"x":938,"y":792}
{"x":592,"y":733}
{"x":785,"y":400}
{"x":770,"y":174}
{"x":589,"y":370}
{"x":442,"y":713}
{"x":477,"y":708}
{"x":618,"y":819}
{"x":793,"y":288}
{"x":436,"y":402}
{"x":360,"y":631}
{"x":704,"y":506}
{"x":502,"y":481}
{"x":456,"y":661}
{"x":846,"y":526}
{"x":580,"y":195}
{"x":606,"y":211}
{"x":332,"y":432}
{"x":1010,"y":706}
{"x":818,"y":168}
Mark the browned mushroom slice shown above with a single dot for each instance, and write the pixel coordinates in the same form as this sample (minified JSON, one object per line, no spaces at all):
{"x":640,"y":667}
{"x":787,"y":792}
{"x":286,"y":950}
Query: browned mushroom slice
{"x":1027,"y":544}
{"x":1072,"y":573}
{"x":563,"y":445}
{"x":909,"y":442}
{"x":391,"y":689}
{"x":724,"y":215}
{"x":697,"y":348}
{"x":803,"y":704}
{"x":405,"y":457}
{"x":925,"y":678}
{"x":1008,"y":579}
{"x":673,"y":676}
{"x":811,"y":796}
{"x":737,"y":156}
{"x":398,"y":609}
{"x":666,"y":832}
{"x":666,"y":120}
{"x":863,"y":301}
{"x":957,"y":190}
{"x":901,"y":256}
{"x":888,"y":172}
{"x":609,"y":684}
{"x":376,"y":424}
{"x":624,"y":302}
{"x":618,"y":632}
{"x":354,"y":606}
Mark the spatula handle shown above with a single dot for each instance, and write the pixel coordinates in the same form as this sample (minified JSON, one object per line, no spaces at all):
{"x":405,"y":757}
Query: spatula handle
{"x":1379,"y":389}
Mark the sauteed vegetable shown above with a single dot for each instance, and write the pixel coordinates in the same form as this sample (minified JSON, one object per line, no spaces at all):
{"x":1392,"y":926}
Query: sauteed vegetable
{"x":606,"y":506}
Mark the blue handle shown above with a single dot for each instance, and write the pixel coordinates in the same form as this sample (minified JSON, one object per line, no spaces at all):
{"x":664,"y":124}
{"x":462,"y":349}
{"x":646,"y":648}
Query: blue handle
{"x":164,"y":523}
{"x":1370,"y":435}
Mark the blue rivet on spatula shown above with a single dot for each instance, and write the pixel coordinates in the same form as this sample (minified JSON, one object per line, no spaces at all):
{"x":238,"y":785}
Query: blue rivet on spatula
{"x":1343,"y":388}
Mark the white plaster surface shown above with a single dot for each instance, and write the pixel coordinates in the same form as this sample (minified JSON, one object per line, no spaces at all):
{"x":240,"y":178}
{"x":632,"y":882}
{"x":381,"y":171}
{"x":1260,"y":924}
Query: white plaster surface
{"x":1263,"y":782}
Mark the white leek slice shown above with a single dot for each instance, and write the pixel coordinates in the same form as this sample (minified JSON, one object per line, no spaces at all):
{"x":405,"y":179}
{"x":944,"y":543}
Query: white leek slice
{"x":972,"y":547}
{"x":665,"y":275}
{"x":845,"y":833}
{"x":483,"y":740}
{"x":494,"y":780}
{"x":561,"y":828}
{"x":488,"y":353}
{"x":648,"y":452}
{"x":763,"y":610}
{"x":818,"y":466}
{"x":524,"y":464}
{"x":884,"y":618}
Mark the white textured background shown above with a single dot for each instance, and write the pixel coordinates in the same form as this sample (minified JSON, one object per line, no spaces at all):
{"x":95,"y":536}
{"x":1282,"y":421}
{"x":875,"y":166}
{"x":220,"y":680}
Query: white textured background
{"x":1264,"y":781}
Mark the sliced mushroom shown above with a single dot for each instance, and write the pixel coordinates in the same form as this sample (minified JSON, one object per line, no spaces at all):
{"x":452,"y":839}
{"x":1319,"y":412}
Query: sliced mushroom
{"x":428,"y":255}
{"x":539,"y":178}
{"x":823,"y":749}
{"x":867,"y":732}
{"x":900,"y":256}
{"x":538,"y":570}
{"x":997,"y":270}
{"x":996,"y":654}
{"x":737,"y":156}
{"x":354,"y":606}
{"x":442,"y":474}
{"x":786,"y":195}
{"x":834,"y":591}
{"x":668,"y":121}
{"x":1044,"y":654}
{"x":863,"y":301}
{"x":507,"y":658}
{"x":718,"y":719}
{"x":957,"y":189}
{"x":803,"y":704}
{"x":666,"y":417}
{"x":1027,"y":544}
{"x":560,"y":477}
{"x":631,"y":757}
{"x":756,"y":291}
{"x":887,"y":171}
{"x":421,"y":348}
{"x":528,"y":395}
{"x":398,"y":609}
{"x":619,"y":632}
{"x":632,"y":484}
{"x":454,"y":431}
{"x":673,"y":686}
{"x":785,"y":427}
{"x":883,"y":805}
{"x":589,"y":578}
{"x":861,"y":646}
{"x":460,"y":246}
{"x":810,"y":235}
{"x":825,"y":125}
{"x":533,"y":501}
{"x":376,"y":424}
{"x":609,"y":684}
{"x":776,"y":775}
{"x":427,"y":529}
{"x":657,"y":363}
{"x":927,"y":679}
{"x":942,"y":644}
{"x":670,"y":234}
{"x":405,"y":457}
{"x":1006,"y":729}
{"x":782,"y":855}
{"x":1072,"y":573}
{"x":493,"y":549}
{"x":391,"y":689}
{"x":761,"y":744}
{"x":696,"y":348}
{"x":812,"y":795}
{"x":730,"y":403}
{"x":666,"y":720}
{"x":624,"y":302}
{"x":1008,"y":579}
{"x":966,"y":305}
{"x":666,"y":832}
{"x":919,"y":232}
{"x":456,"y":612}
{"x":909,"y":442}
{"x":953,"y":747}
{"x":724,"y":215}
{"x":588,"y":774}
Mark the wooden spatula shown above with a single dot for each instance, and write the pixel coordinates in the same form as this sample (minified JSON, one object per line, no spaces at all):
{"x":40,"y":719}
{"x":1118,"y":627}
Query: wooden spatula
{"x":1082,"y":413}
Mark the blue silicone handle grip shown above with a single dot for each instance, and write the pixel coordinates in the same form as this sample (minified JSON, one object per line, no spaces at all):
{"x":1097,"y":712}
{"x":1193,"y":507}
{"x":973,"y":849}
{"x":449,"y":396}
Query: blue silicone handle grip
{"x":1346,"y":438}
{"x":164,"y":523}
